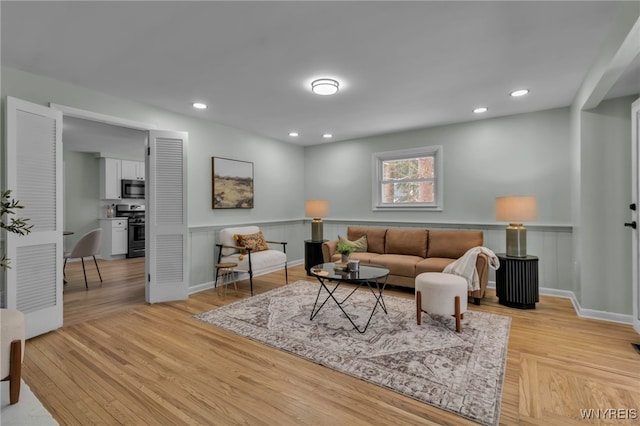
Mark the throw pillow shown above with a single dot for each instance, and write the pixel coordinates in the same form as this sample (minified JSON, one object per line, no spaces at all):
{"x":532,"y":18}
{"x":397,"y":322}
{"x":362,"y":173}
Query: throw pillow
{"x":254,"y":241}
{"x":360,"y":244}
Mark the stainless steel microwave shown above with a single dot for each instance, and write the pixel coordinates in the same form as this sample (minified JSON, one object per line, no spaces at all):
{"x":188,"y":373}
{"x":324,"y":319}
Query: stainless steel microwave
{"x":132,"y":188}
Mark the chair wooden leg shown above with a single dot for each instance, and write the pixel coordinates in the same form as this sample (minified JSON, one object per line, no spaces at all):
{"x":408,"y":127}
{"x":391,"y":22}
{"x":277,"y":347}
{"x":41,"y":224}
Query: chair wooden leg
{"x":15,"y":371}
{"x":85,"y":275}
{"x":458,"y":326}
{"x":96,"y":262}
{"x":419,"y":307}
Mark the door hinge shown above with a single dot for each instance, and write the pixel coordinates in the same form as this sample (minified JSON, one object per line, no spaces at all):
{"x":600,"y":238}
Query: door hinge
{"x":149,"y":278}
{"x":148,"y":150}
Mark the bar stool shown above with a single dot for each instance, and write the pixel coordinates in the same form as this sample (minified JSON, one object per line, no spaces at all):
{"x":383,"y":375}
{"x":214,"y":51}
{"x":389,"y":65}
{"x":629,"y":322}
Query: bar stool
{"x":226,"y":272}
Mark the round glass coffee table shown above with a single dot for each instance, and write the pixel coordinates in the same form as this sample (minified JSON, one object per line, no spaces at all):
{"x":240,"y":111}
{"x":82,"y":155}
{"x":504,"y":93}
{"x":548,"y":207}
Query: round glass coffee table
{"x":373,"y":276}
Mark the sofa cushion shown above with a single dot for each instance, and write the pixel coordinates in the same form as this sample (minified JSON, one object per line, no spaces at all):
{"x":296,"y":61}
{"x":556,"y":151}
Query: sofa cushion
{"x":433,"y":264}
{"x":375,"y":237}
{"x":255,"y":242}
{"x":398,"y":264}
{"x":362,"y":257}
{"x":360,"y":245}
{"x":406,"y":241}
{"x":226,"y":237}
{"x":266,"y":260}
{"x":452,"y":243}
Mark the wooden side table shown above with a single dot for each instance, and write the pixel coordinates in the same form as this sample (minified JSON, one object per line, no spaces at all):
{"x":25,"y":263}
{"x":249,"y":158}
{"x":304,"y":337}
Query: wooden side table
{"x":312,"y":254}
{"x":228,"y":275}
{"x":517,"y":281}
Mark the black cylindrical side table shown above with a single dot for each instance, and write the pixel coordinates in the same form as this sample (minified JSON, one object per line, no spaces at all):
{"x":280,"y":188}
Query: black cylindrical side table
{"x":517,"y":281}
{"x":312,"y":254}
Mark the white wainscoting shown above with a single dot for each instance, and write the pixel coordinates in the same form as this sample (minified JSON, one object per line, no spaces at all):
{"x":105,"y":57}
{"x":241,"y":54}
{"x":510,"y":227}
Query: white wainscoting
{"x":552,"y":245}
{"x":203,"y":253}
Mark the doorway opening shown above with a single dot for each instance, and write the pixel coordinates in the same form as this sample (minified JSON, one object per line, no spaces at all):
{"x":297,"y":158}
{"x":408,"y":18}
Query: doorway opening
{"x":87,"y":145}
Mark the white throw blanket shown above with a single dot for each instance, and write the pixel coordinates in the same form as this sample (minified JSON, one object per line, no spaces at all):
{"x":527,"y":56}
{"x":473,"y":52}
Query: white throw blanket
{"x":466,"y":266}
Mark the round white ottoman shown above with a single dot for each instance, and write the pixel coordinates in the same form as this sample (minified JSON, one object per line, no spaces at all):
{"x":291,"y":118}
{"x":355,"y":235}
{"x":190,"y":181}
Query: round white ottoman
{"x":441,"y":294}
{"x":11,"y":350}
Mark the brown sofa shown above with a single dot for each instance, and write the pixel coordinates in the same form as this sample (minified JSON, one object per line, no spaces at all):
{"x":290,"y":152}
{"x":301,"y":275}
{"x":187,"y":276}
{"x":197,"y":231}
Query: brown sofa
{"x":409,"y":252}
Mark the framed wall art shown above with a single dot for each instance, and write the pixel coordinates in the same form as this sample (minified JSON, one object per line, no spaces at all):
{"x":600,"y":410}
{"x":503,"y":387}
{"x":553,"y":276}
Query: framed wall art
{"x":232,"y":184}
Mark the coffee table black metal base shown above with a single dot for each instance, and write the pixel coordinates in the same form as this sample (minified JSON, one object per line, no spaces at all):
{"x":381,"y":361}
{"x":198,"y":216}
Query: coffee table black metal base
{"x":367,"y":275}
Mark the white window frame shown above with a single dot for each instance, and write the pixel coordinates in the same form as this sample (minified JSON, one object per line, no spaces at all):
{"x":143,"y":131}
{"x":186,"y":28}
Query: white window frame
{"x":378,"y":158}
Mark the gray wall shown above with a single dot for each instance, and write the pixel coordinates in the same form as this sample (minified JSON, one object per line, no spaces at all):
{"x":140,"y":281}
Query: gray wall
{"x":520,"y":154}
{"x":605,"y":194}
{"x":81,"y":195}
{"x":527,"y":154}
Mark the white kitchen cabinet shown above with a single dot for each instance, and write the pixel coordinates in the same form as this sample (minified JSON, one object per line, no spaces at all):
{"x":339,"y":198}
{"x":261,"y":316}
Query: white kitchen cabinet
{"x":133,"y":170}
{"x":110,"y":176}
{"x":115,"y":237}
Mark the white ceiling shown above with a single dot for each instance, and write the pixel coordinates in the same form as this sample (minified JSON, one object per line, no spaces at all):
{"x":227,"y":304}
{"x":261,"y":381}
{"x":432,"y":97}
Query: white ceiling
{"x":401,"y":65}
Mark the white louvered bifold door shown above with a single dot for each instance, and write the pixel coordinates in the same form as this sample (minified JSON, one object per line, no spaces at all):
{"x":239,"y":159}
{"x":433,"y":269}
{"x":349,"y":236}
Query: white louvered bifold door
{"x":166,"y":224}
{"x":635,"y":218}
{"x":33,"y":167}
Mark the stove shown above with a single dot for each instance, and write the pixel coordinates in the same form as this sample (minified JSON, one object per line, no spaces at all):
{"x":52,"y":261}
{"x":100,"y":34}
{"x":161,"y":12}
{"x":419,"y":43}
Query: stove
{"x":135,"y":214}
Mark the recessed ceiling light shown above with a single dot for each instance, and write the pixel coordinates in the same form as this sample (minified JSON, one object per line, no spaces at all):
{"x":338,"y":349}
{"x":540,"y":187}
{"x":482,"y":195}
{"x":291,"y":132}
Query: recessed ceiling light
{"x":199,"y":105}
{"x":480,"y":110}
{"x":293,"y":134}
{"x":519,"y":92}
{"x":325,"y":86}
{"x":327,"y":136}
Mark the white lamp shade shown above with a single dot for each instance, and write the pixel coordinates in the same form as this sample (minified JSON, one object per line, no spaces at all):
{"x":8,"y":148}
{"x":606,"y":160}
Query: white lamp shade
{"x":316,"y":208}
{"x":515,"y":209}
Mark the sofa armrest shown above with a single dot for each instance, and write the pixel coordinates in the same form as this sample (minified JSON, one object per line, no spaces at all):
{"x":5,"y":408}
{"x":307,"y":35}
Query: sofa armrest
{"x":328,"y":250}
{"x":482,"y":266}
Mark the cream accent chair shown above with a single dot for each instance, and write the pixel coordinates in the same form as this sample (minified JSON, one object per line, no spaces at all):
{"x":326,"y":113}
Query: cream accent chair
{"x":11,"y":350}
{"x":256,"y":263}
{"x":88,"y":245}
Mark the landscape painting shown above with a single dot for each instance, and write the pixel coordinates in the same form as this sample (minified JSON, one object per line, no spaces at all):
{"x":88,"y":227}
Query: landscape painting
{"x":232,"y":183}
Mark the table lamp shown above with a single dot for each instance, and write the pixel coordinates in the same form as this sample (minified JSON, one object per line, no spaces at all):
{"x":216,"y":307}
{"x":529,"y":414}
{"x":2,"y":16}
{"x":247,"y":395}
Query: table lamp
{"x":316,"y":209}
{"x":515,"y":210}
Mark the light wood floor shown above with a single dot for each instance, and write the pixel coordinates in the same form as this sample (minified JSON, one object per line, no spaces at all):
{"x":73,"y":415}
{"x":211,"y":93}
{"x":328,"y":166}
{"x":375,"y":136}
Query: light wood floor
{"x":118,"y":360}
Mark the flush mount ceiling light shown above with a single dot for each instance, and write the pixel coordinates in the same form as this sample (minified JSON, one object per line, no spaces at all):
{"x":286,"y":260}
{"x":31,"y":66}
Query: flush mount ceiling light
{"x":327,"y":136}
{"x":480,"y":110}
{"x":199,"y":105}
{"x":293,"y":134}
{"x":519,"y":92}
{"x":324,"y":86}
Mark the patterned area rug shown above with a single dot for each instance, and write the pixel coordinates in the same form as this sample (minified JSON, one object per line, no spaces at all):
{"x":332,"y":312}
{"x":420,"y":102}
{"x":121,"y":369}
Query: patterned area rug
{"x":458,"y":372}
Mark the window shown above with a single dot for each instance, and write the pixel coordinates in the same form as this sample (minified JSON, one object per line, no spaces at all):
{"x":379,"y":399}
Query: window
{"x":409,"y":179}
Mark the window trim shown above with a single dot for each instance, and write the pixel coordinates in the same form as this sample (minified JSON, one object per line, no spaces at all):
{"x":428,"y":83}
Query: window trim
{"x":377,"y":159}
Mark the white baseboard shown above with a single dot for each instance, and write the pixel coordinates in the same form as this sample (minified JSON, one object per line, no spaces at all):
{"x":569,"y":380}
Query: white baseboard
{"x":580,"y":311}
{"x":206,"y":286}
